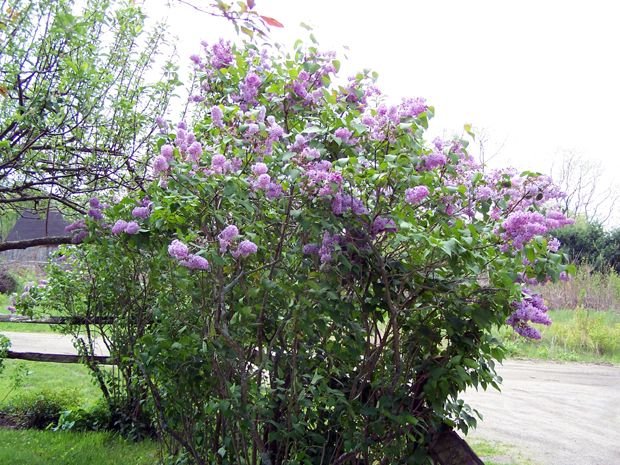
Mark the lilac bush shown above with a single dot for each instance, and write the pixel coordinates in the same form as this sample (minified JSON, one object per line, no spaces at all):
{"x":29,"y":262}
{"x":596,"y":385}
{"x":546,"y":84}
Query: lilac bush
{"x":318,"y":282}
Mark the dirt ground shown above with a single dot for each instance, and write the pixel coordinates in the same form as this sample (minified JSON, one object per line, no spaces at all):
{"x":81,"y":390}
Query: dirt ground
{"x":554,"y":413}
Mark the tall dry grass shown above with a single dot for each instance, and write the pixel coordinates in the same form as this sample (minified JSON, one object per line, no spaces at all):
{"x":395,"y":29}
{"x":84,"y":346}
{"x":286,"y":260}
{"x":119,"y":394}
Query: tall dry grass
{"x":587,"y":289}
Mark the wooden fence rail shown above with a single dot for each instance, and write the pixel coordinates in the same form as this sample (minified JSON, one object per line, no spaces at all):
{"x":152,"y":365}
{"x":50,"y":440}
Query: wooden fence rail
{"x":56,"y":320}
{"x":56,"y":358}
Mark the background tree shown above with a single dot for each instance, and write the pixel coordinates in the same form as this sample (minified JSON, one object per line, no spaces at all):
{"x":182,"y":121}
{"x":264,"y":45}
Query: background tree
{"x":587,"y":195}
{"x":77,"y":101}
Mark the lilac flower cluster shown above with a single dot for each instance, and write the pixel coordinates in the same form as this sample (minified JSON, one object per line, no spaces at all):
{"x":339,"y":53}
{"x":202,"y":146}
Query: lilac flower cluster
{"x":161,"y":163}
{"x":531,"y":309}
{"x":415,"y":195}
{"x":95,"y":211}
{"x":382,"y":224}
{"x":128,"y":227}
{"x":435,"y":159}
{"x":220,"y":54}
{"x":179,"y":251}
{"x":249,"y":88}
{"x":143,"y":211}
{"x":303,"y":88}
{"x":262,"y":181}
{"x":553,"y":245}
{"x":228,"y":235}
{"x":343,"y":203}
{"x":522,"y":226}
{"x":217,"y":116}
{"x":244,"y":249}
{"x":383,"y":121}
{"x":78,"y":230}
{"x":345,"y":135}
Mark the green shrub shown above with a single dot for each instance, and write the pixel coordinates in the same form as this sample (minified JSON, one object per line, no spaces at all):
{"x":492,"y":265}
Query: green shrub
{"x":97,"y":418}
{"x":42,"y":409}
{"x":8,"y":284}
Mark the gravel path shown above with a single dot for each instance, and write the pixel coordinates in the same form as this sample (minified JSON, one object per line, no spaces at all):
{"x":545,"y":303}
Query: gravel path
{"x":554,"y":413}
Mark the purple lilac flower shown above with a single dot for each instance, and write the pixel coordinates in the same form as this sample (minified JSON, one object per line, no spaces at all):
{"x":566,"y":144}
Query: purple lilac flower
{"x":251,"y":130}
{"x":484,"y":193}
{"x":249,"y":87}
{"x":95,"y":214}
{"x":300,"y":143}
{"x":344,"y":134}
{"x":160,"y":164}
{"x":161,"y":124}
{"x":221,"y":55}
{"x":11,"y":308}
{"x":328,"y":246}
{"x":228,"y":234}
{"x":274,"y":130}
{"x":79,"y":237}
{"x":435,"y":160}
{"x":553,"y":245}
{"x":530,"y":309}
{"x":521,"y":226}
{"x":311,"y":249}
{"x":76,"y":225}
{"x":564,"y":276}
{"x":94,"y":203}
{"x":194,"y":151}
{"x":195,"y":59}
{"x":416,"y":194}
{"x":119,"y":227}
{"x":167,"y":151}
{"x":263,"y":181}
{"x":413,"y":107}
{"x":342,"y":203}
{"x":216,"y":116}
{"x":132,"y":227}
{"x":195,"y":262}
{"x":273,"y":191}
{"x":244,"y":249}
{"x":178,"y":250}
{"x":141,"y":212}
{"x":381,"y":224}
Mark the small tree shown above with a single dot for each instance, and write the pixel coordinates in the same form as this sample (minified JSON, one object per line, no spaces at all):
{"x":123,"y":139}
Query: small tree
{"x":317,"y":284}
{"x":76,"y":106}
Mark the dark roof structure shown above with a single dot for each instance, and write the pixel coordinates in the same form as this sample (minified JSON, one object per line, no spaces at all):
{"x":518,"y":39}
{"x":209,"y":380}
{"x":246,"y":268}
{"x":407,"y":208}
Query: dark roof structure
{"x":31,"y":225}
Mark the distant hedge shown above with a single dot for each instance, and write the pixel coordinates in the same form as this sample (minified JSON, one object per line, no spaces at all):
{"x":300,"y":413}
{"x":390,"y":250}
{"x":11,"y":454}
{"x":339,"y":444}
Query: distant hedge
{"x":588,"y":243}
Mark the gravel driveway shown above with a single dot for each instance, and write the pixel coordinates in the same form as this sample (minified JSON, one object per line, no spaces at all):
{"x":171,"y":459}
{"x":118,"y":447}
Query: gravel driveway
{"x":554,"y":413}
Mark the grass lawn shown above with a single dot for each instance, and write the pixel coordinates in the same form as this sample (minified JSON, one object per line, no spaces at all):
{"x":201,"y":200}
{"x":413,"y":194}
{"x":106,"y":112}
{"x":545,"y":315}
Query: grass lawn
{"x":574,"y":335}
{"x":494,"y":453}
{"x":30,"y":447}
{"x":25,"y":328}
{"x":70,"y":379}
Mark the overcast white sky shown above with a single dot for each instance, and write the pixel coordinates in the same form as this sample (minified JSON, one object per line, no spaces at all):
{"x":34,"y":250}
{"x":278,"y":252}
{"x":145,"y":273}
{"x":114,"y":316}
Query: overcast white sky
{"x":539,"y":77}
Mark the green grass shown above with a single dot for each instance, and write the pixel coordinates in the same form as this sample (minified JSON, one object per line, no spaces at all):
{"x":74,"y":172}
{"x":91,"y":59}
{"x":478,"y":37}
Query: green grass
{"x":494,"y":453}
{"x":30,"y":447}
{"x":67,"y":378}
{"x":575,"y":335}
{"x":25,"y":328}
